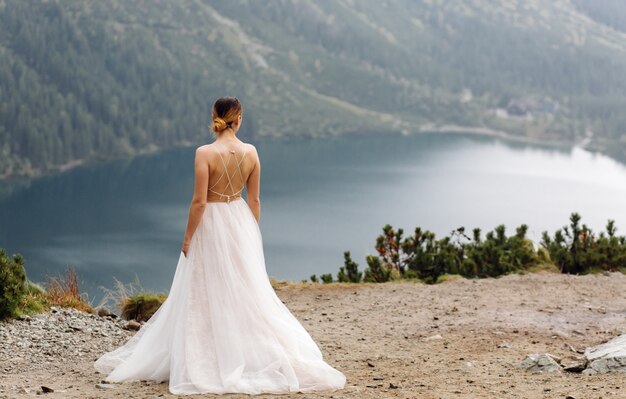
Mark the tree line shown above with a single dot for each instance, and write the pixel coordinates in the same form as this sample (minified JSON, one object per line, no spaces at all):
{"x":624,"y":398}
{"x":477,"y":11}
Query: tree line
{"x":573,"y":249}
{"x":95,"y":80}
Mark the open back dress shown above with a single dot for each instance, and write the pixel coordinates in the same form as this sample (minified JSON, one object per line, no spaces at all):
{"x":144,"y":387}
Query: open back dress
{"x":222,"y":328}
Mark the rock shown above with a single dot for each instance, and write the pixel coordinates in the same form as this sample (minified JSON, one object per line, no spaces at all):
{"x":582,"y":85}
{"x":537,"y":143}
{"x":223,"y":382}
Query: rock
{"x":46,"y":389}
{"x":104,"y":312}
{"x":574,"y":365}
{"x":132,"y":325}
{"x":589,"y":372}
{"x":606,"y":365}
{"x":573,"y":349}
{"x":64,"y":333}
{"x":610,"y":356}
{"x":105,"y":386}
{"x":370,"y":364}
{"x":377,"y":378}
{"x":433,"y":338}
{"x":392,"y":386}
{"x":555,"y":358}
{"x":504,"y":345}
{"x":537,"y":363}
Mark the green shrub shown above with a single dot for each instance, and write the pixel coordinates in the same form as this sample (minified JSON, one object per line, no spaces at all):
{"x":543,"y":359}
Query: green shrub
{"x":388,"y":247}
{"x":35,"y":300}
{"x":142,"y":306}
{"x":349,"y":272}
{"x":12,"y":284}
{"x":376,"y":272}
{"x":498,"y":254}
{"x":575,"y":248}
{"x":326,"y":278}
{"x":572,"y":249}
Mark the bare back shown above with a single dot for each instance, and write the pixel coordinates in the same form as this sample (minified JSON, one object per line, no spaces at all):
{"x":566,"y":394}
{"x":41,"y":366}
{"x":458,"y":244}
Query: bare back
{"x":230,"y":166}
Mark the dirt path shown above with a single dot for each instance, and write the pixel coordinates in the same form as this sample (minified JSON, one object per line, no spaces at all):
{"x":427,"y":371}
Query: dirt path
{"x":377,"y":335}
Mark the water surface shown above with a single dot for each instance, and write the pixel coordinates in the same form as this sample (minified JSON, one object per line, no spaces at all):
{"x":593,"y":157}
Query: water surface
{"x":126,"y":219}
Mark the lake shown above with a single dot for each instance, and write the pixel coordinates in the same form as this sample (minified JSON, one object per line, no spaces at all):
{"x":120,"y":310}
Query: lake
{"x":126,"y":219}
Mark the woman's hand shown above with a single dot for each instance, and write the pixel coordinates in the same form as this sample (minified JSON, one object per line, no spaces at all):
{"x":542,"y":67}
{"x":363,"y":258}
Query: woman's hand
{"x":185,"y":249}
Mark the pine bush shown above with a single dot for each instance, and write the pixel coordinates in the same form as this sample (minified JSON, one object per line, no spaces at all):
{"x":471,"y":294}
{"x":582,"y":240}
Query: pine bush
{"x":12,"y":283}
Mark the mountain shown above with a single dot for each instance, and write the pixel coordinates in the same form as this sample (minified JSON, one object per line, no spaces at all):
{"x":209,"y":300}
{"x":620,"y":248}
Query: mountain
{"x":99,"y":79}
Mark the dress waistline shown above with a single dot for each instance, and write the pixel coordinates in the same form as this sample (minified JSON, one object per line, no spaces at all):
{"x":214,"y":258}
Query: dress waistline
{"x":225,"y":198}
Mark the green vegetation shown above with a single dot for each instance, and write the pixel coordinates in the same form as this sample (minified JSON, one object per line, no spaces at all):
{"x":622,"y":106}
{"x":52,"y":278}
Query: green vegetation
{"x":132,"y":300}
{"x":12,"y":284}
{"x":576,"y":249}
{"x":91,"y":80}
{"x":142,"y":306}
{"x":19,"y":295}
{"x":573,"y":249}
{"x":35,"y":300}
{"x":349,"y":273}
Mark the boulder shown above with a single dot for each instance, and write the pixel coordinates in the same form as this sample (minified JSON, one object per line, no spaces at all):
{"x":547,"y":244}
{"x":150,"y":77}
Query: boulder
{"x":539,"y":363}
{"x":610,"y":356}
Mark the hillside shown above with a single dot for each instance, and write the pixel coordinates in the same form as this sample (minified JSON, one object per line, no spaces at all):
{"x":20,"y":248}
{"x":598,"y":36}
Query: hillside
{"x":91,"y":80}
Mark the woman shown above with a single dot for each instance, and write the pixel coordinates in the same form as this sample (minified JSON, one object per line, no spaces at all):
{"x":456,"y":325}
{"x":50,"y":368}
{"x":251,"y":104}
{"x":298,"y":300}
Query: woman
{"x":222,"y":328}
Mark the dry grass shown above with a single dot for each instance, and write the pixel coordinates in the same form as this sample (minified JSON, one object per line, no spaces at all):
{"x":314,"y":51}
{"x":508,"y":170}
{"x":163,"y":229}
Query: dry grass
{"x":63,"y":291}
{"x":282,"y":283}
{"x":119,"y":294}
{"x":132,"y":301}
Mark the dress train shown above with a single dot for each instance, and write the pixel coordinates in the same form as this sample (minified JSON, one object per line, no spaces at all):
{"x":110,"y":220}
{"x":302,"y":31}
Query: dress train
{"x":222,"y":328}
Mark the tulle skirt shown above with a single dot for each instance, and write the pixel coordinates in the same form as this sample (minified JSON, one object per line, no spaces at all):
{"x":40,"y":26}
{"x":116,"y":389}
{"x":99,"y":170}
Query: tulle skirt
{"x":222,"y":328}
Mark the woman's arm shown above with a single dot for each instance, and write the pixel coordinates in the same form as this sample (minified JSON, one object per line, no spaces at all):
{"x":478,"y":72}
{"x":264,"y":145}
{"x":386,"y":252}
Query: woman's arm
{"x":253,"y":187}
{"x":198,"y":202}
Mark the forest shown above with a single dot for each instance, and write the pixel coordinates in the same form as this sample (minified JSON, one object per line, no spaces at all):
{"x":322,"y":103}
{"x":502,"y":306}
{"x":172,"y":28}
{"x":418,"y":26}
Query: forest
{"x":96,"y":80}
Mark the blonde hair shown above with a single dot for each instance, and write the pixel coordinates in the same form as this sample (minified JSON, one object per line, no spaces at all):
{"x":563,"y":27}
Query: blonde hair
{"x":225,"y":111}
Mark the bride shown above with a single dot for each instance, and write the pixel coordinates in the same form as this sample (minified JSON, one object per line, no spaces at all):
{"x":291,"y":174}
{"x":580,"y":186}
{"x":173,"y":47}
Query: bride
{"x":222,"y":328}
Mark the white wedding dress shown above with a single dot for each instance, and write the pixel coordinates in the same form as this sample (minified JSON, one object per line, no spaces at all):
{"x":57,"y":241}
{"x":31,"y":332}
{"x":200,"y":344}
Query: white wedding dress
{"x":222,"y":328}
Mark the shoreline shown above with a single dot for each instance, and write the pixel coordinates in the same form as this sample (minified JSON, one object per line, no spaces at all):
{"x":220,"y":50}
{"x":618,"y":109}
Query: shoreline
{"x":488,"y":132}
{"x":423,"y":129}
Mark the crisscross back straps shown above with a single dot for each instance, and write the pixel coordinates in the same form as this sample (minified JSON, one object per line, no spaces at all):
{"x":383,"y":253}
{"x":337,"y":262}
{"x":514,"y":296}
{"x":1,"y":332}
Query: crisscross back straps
{"x":229,"y":192}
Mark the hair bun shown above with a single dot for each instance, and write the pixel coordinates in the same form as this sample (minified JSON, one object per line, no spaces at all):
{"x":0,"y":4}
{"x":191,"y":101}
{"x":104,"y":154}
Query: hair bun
{"x":225,"y":113}
{"x":219,"y":124}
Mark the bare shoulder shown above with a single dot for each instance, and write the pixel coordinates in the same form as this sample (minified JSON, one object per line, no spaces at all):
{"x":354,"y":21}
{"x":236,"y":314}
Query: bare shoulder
{"x":251,"y":149}
{"x":204,"y":150}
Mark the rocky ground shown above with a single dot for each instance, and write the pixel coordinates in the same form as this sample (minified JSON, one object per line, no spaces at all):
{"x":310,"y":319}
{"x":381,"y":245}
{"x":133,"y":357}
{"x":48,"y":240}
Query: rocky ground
{"x":459,"y":339}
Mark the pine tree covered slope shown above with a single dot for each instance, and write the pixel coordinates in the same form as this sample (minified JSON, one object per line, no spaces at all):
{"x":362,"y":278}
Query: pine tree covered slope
{"x":100,"y":79}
